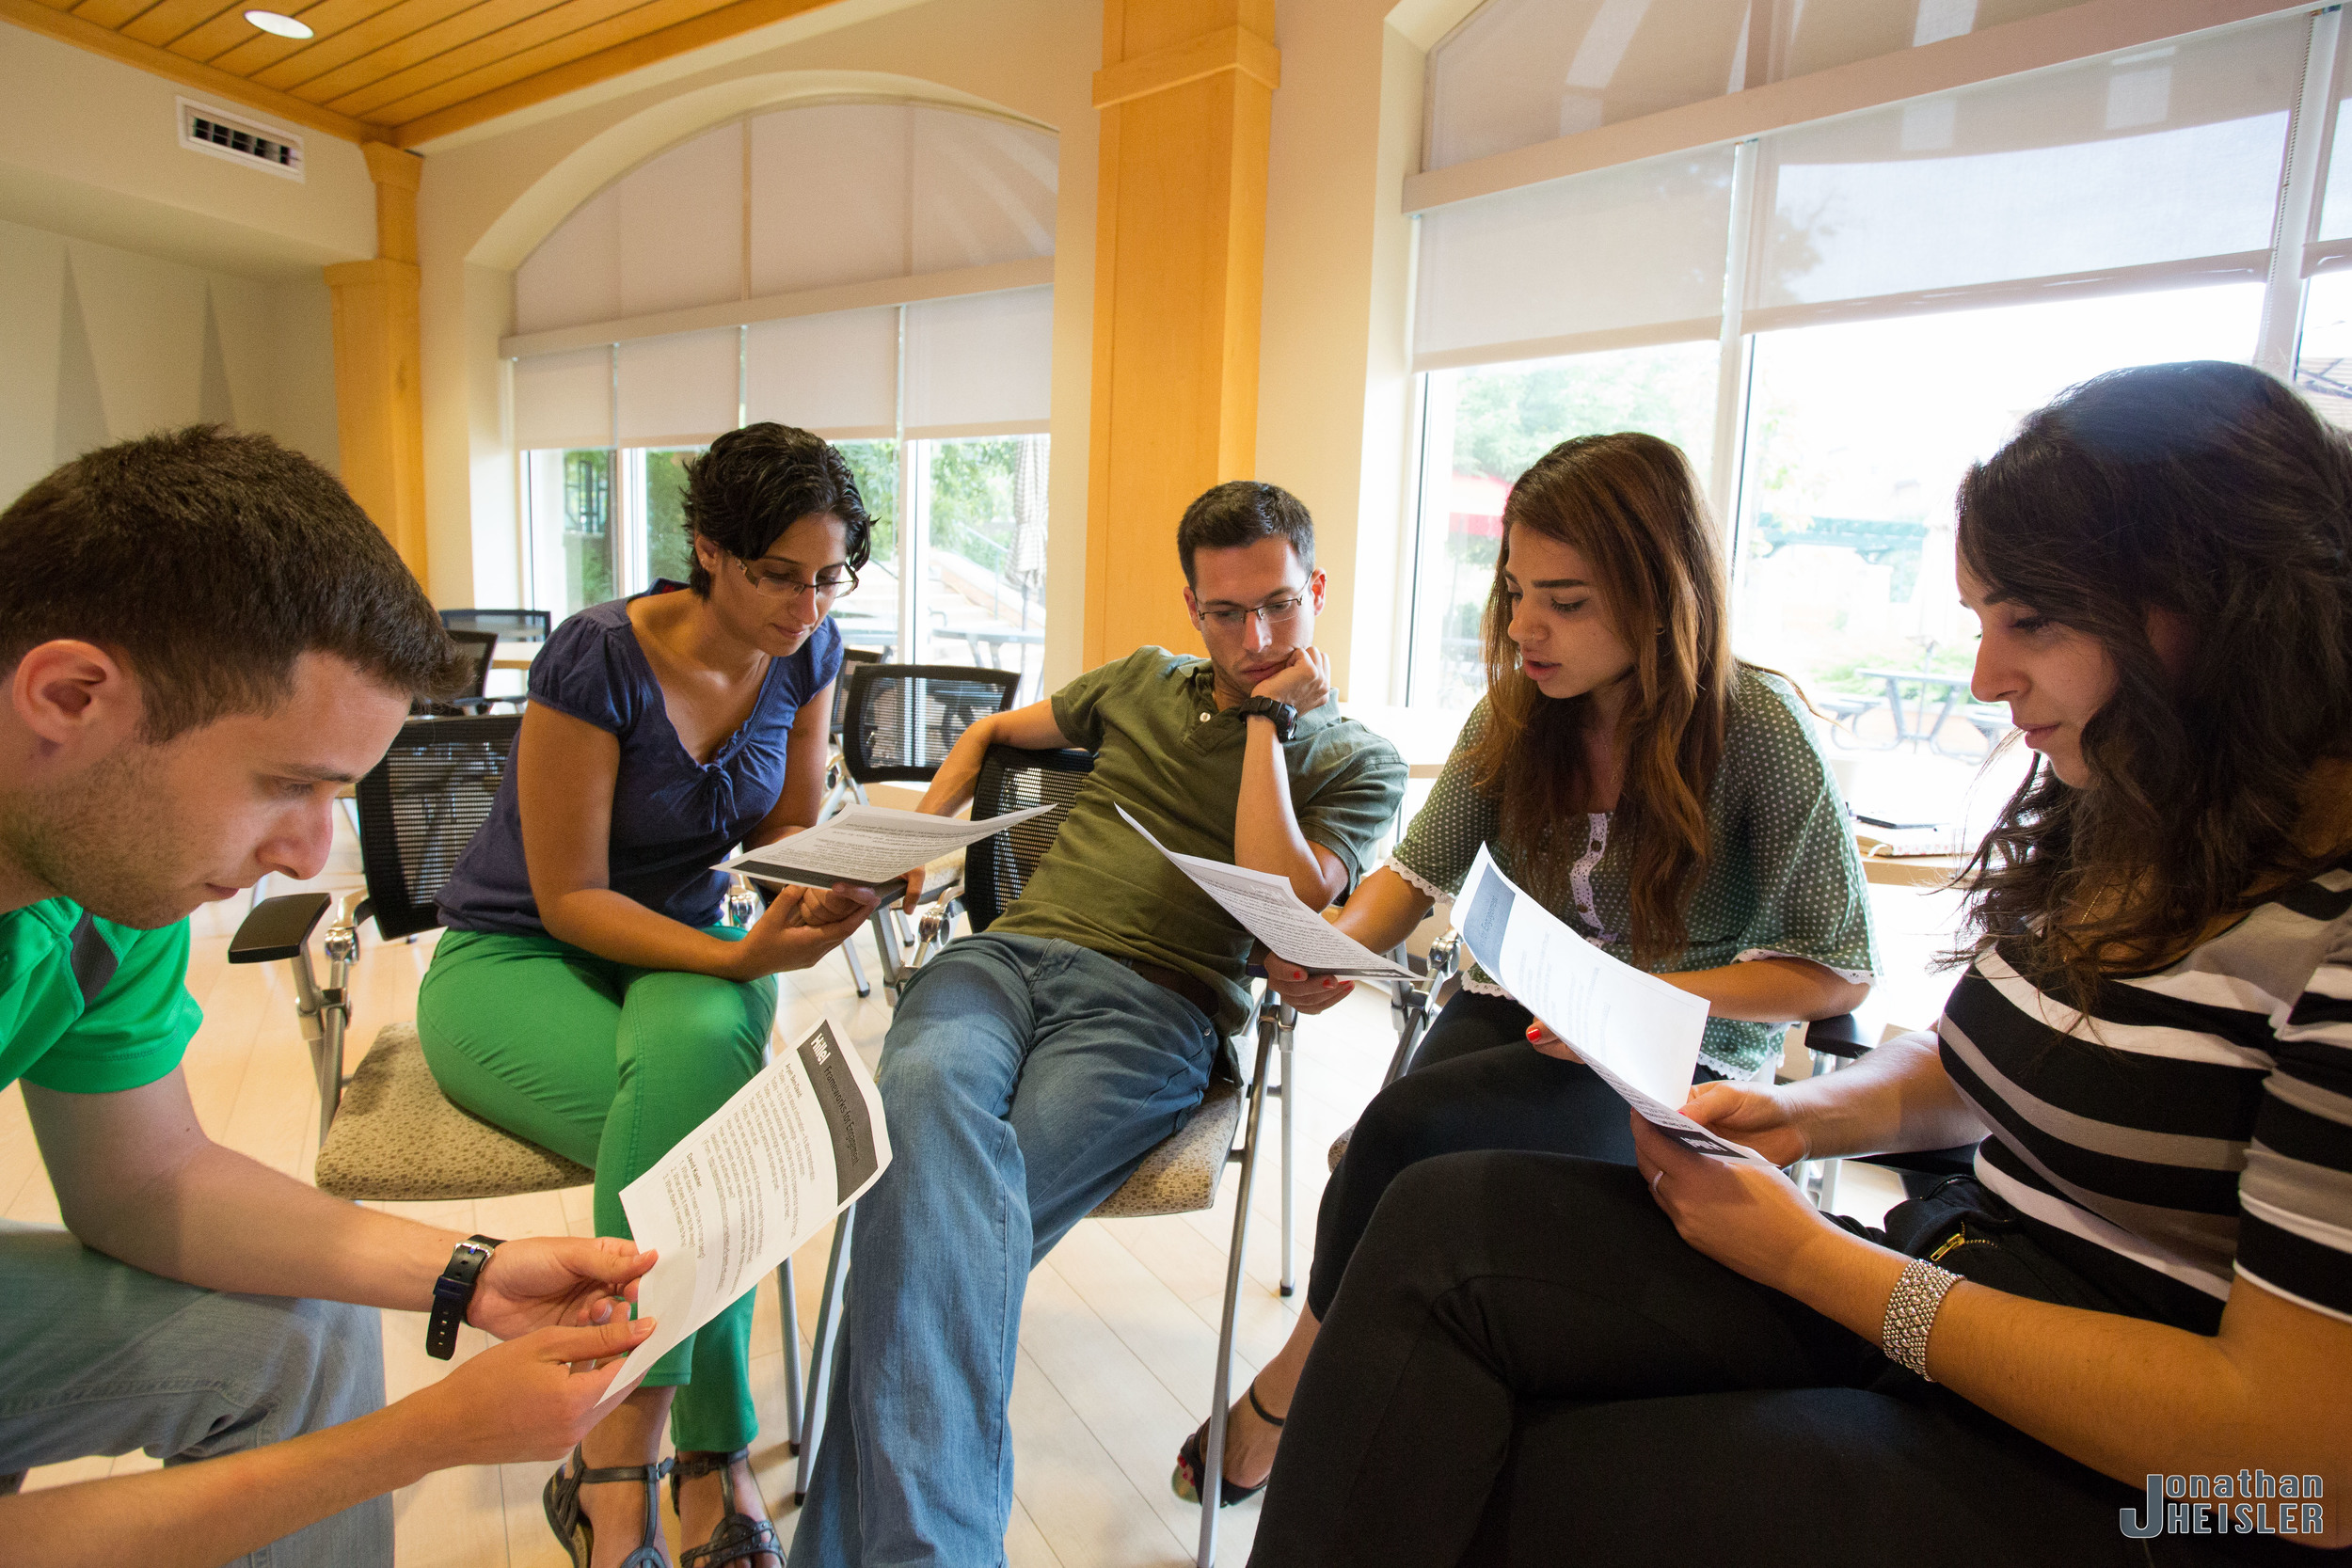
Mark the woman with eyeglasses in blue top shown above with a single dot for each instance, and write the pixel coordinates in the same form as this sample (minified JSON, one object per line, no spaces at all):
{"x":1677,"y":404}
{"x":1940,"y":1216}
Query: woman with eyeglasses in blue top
{"x":586,"y":996}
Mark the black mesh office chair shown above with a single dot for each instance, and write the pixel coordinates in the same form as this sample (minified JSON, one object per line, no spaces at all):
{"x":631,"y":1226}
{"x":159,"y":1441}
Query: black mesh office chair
{"x":1179,"y":1176}
{"x":518,"y":624}
{"x":418,"y":811}
{"x":898,"y":725}
{"x":840,"y":789}
{"x":904,"y":719}
{"x":479,"y":648}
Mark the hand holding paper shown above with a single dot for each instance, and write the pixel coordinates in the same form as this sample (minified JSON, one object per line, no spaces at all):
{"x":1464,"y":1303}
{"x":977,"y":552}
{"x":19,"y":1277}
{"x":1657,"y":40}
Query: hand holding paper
{"x":1639,"y":1033}
{"x":868,"y":845}
{"x":738,"y":1195}
{"x":1270,"y":910}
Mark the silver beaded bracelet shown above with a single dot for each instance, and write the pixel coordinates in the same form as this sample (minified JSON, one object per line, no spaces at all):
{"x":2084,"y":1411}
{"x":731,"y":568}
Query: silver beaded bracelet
{"x":1911,"y":1313}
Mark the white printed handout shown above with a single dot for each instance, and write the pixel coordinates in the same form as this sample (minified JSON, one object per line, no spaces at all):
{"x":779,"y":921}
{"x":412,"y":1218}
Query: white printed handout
{"x":869,"y":845}
{"x":1270,"y":910}
{"x":738,"y":1195}
{"x":1639,"y":1033}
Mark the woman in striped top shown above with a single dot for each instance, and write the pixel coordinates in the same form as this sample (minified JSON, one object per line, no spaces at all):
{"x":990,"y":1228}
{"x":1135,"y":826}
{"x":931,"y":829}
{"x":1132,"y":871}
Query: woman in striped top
{"x":2128,"y":1337}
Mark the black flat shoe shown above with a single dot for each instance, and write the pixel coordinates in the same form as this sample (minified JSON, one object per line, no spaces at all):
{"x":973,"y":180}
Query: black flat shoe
{"x":1191,"y":1463}
{"x":740,"y":1538}
{"x":561,"y":1499}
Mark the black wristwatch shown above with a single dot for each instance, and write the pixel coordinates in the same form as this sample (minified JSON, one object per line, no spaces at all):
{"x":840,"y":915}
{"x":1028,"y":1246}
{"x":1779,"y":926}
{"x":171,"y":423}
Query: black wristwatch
{"x":453,"y":1292}
{"x":1284,"y":716}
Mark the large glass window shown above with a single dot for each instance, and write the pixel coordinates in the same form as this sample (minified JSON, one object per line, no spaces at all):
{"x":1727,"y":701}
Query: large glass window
{"x":568,"y":496}
{"x":668,"y":553}
{"x":1858,"y":436}
{"x":1483,"y":427}
{"x":870,"y":617}
{"x":966,"y":568}
{"x":984,"y":557}
{"x":2323,"y":370}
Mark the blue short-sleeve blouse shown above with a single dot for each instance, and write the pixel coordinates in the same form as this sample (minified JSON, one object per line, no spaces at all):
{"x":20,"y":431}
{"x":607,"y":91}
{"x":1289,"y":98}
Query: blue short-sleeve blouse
{"x":672,"y":815}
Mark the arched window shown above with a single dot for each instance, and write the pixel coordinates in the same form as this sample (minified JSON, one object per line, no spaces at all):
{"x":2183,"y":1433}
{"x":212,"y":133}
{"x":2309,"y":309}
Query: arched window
{"x":877,"y":273}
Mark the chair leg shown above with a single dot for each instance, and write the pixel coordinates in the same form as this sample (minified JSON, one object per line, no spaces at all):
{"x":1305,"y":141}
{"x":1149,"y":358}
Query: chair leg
{"x":1409,"y":1033}
{"x":788,"y":1308}
{"x":857,"y":970}
{"x":820,"y":1355}
{"x":888,"y":951}
{"x":1213,"y":1460}
{"x":1288,"y":1030}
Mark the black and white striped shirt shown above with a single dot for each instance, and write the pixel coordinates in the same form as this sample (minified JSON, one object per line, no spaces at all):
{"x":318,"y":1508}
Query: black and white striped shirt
{"x":2201,"y":1121}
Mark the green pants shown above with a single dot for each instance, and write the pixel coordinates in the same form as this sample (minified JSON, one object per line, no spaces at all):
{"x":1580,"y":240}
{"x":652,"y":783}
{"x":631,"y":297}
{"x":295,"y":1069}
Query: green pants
{"x":610,"y":1066}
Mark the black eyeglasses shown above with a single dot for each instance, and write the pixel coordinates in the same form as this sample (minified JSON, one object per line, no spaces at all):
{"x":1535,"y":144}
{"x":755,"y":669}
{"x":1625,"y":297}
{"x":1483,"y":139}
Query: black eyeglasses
{"x":788,"y":585}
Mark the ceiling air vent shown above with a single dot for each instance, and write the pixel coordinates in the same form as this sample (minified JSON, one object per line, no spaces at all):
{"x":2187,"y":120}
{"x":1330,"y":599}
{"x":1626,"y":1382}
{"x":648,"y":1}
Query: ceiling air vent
{"x":205,"y":129}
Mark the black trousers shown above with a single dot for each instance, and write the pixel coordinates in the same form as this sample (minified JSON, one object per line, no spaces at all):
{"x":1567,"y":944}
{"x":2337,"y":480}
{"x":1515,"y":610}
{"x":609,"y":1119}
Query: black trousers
{"x":1526,"y":1366}
{"x":1476,"y":1084}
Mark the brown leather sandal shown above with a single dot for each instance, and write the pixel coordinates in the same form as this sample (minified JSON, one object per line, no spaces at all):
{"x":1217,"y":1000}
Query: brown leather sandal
{"x":740,"y":1538}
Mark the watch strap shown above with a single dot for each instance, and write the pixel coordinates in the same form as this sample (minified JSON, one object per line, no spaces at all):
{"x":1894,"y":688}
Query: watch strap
{"x":453,"y":1292}
{"x":1283,"y":716}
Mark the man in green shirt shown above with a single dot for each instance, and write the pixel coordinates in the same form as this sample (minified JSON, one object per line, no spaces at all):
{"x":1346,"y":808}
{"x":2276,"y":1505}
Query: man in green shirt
{"x":204,"y":639}
{"x":1030,"y":1068}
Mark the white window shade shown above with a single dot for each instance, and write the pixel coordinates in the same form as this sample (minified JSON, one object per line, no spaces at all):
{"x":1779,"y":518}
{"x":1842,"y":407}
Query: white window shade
{"x":984,"y":190}
{"x":1523,"y":71}
{"x":575,"y":274}
{"x":563,"y":400}
{"x":1613,"y":259}
{"x":677,"y":392}
{"x":982,"y":365}
{"x":1519,"y":72}
{"x":835,"y":374}
{"x":2159,"y":162}
{"x":2335,"y":211}
{"x":680,"y":225}
{"x":829,"y":196}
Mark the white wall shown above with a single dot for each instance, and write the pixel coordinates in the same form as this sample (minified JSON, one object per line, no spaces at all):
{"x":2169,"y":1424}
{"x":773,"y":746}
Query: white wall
{"x":103,"y":344}
{"x":94,"y":152}
{"x":1334,"y":410}
{"x":143,"y":285}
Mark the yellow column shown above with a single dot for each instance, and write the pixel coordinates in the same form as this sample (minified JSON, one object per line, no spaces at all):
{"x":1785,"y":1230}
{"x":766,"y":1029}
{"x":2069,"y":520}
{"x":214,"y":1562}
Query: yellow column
{"x":379,"y":407}
{"x":1187,"y":95}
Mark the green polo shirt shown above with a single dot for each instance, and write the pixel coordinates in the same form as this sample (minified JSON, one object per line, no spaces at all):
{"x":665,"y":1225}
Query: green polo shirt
{"x":88,"y":1007}
{"x":1165,"y":750}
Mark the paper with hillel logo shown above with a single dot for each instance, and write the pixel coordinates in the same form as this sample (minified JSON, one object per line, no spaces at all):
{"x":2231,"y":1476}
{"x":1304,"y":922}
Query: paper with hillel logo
{"x":1639,"y":1033}
{"x":741,"y":1193}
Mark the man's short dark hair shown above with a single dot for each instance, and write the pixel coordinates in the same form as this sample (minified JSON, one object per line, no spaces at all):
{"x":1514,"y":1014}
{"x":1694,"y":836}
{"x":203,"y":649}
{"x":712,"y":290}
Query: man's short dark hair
{"x":1242,"y":512}
{"x":210,"y":562}
{"x":756,"y":482}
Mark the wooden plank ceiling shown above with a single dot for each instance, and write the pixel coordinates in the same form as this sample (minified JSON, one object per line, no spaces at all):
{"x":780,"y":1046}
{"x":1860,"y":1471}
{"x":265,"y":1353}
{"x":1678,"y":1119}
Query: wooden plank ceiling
{"x":396,"y":71}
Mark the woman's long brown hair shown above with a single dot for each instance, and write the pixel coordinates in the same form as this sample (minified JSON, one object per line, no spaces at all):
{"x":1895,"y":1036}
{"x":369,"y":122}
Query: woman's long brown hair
{"x":1630,"y":505}
{"x":2214,"y":494}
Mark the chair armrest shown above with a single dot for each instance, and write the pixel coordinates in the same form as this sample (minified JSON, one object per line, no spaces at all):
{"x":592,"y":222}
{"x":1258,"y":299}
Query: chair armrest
{"x":278,"y":928}
{"x":1836,"y":1036}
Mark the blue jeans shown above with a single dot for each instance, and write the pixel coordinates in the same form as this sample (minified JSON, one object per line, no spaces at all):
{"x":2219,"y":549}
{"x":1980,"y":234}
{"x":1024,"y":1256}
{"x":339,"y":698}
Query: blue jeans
{"x":1023,"y":1080}
{"x":98,"y":1357}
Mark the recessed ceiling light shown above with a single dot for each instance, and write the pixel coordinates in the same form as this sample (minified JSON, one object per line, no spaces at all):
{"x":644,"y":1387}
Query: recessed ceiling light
{"x":284,"y":26}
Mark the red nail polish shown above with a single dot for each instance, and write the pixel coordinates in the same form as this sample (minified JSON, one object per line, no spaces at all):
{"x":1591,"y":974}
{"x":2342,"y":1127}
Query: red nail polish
{"x":1534,"y":1029}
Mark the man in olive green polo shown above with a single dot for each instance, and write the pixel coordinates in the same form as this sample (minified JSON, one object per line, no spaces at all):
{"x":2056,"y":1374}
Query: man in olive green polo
{"x":1032,"y":1067}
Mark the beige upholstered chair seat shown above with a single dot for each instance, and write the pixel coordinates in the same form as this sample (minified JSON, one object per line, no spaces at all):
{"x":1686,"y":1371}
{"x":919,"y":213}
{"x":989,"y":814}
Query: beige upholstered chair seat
{"x":1180,"y":1172}
{"x":398,"y":1137}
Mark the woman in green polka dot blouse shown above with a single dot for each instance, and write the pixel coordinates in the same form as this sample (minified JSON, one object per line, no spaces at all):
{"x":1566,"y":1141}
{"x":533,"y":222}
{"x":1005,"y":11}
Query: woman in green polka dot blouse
{"x":1666,"y":800}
